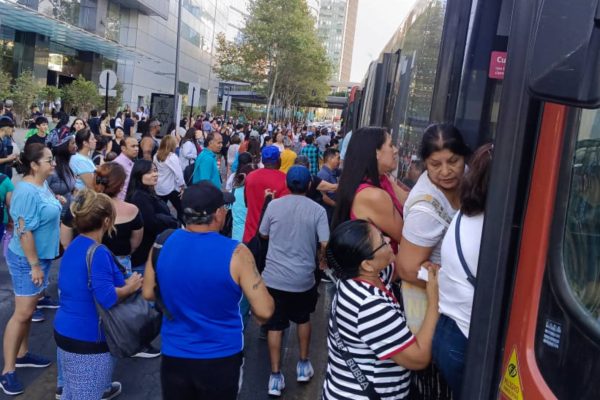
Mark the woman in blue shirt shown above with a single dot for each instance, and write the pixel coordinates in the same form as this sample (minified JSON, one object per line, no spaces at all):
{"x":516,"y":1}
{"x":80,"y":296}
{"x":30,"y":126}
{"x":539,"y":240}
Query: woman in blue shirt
{"x":36,"y":215}
{"x":86,"y":364}
{"x":81,"y":162}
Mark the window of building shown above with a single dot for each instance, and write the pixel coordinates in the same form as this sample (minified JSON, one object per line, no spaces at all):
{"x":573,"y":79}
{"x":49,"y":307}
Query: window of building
{"x":581,"y":244}
{"x":113,"y":22}
{"x":190,"y":34}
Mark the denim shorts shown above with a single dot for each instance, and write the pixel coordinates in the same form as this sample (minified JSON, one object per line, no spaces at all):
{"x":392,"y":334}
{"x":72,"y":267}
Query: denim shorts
{"x":20,"y":272}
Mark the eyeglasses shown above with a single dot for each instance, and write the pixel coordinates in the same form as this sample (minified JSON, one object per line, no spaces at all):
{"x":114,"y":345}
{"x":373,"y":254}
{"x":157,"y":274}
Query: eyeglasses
{"x":381,"y":246}
{"x":48,"y":160}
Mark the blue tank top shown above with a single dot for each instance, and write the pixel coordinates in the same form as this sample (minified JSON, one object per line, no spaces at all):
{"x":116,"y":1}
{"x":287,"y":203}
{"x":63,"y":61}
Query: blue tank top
{"x":197,"y":288}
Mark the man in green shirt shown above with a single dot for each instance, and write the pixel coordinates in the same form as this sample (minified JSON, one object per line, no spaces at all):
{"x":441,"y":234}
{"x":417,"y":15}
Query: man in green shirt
{"x":205,"y":167}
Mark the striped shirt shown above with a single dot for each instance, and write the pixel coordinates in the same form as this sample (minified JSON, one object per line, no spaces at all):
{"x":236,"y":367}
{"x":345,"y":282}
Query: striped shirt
{"x":371,"y":323}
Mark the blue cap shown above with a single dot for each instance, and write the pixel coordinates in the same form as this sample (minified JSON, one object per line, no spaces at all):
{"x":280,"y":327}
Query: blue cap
{"x":270,"y":154}
{"x":298,"y":178}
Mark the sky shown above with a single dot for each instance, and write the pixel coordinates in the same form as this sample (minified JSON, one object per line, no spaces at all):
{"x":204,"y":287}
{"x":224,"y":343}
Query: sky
{"x":377,"y":21}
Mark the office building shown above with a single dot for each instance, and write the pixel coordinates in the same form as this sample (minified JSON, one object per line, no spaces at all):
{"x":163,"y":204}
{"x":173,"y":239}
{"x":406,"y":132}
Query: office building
{"x":336,"y":27}
{"x":60,"y":40}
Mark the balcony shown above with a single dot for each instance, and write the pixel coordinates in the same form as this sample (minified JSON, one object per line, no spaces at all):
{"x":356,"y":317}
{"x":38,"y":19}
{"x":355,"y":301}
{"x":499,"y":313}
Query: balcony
{"x":149,"y":7}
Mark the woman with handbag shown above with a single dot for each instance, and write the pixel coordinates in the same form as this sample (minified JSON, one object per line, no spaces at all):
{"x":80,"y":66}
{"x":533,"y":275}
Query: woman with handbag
{"x":371,"y":349}
{"x":34,"y":244}
{"x":85,"y":361}
{"x":428,"y":211}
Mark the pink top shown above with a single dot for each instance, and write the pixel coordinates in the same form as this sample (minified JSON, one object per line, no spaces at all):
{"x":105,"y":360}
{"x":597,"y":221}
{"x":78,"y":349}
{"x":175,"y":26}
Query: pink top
{"x":385,"y":185}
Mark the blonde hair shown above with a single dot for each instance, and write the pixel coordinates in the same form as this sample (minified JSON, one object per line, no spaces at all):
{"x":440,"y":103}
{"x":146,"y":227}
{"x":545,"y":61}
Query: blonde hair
{"x":90,"y":210}
{"x":167,"y":146}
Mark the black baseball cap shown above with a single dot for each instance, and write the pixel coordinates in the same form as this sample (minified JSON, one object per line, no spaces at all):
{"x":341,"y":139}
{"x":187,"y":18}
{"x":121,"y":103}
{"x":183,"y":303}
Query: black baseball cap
{"x":204,"y":198}
{"x":5,"y":121}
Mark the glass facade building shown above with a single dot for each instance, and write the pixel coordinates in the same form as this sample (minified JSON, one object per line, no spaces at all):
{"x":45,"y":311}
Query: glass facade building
{"x":59,"y":40}
{"x":336,"y":27}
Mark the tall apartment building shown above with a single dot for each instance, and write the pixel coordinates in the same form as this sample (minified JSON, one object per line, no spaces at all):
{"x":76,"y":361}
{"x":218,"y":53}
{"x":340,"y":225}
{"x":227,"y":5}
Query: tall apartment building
{"x":336,"y":27}
{"x":61,"y":39}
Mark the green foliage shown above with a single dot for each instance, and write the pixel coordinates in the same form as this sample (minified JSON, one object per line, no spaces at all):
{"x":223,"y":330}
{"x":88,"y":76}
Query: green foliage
{"x":24,"y":92}
{"x":114,"y":103}
{"x":280,"y":54}
{"x":82,"y":95}
{"x":5,"y":85}
{"x":50,"y":94}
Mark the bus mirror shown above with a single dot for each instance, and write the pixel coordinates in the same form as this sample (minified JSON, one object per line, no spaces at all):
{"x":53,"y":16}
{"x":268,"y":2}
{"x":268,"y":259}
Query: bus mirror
{"x":564,"y":57}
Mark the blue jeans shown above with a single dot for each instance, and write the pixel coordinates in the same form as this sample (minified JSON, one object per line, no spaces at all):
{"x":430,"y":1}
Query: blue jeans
{"x":20,"y":272}
{"x":448,"y":351}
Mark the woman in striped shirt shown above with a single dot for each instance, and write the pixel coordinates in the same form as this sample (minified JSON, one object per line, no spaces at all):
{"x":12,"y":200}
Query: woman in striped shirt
{"x":367,"y":328}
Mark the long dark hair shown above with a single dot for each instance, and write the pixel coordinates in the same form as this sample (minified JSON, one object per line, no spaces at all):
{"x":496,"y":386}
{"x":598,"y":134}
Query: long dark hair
{"x":62,"y":155}
{"x":190,"y":136}
{"x":245,"y":166}
{"x":360,"y":165}
{"x":139,"y":169}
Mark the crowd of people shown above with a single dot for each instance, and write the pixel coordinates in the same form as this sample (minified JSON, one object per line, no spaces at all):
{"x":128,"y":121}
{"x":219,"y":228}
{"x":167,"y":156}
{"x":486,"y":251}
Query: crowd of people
{"x":216,"y":220}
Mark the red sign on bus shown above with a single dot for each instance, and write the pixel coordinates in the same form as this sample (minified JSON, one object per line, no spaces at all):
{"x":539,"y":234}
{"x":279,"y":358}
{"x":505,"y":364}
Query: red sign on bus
{"x":497,"y":65}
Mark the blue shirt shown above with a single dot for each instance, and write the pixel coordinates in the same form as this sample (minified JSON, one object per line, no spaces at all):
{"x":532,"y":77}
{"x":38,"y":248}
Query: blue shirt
{"x":345,"y":143}
{"x":77,"y":317}
{"x":40,"y":212}
{"x":238,"y":212}
{"x":81,"y":165}
{"x":201,"y":295}
{"x":328,"y":176}
{"x":206,"y":168}
{"x":312,"y":152}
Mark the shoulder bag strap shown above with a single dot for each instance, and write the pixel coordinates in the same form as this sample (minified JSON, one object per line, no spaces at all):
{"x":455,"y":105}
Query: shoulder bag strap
{"x":439,"y":212}
{"x":362,"y":380}
{"x":156,"y":248}
{"x":472,"y":280}
{"x":264,"y":208}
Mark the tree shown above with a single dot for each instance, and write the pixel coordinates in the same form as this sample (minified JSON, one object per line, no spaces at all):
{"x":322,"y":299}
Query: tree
{"x":5,"y":80}
{"x":114,"y":103}
{"x":50,"y":94}
{"x":24,"y":92}
{"x":81,"y":95}
{"x":279,"y":53}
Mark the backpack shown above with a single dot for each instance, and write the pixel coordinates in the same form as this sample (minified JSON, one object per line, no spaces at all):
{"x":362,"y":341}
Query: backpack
{"x":188,"y":174}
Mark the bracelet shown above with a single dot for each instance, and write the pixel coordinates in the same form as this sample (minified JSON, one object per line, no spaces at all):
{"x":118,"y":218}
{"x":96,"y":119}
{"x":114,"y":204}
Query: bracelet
{"x":35,"y":264}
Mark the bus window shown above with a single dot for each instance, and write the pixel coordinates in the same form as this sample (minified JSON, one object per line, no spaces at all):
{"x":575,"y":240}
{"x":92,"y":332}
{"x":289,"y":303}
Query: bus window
{"x":581,"y":245}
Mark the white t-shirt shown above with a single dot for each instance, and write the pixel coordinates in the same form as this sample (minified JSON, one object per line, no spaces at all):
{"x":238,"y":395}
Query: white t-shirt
{"x":456,"y":292}
{"x":187,"y":154}
{"x":170,"y":175}
{"x":422,"y":225}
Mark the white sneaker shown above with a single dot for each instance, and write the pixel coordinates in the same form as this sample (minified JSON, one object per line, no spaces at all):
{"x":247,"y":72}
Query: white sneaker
{"x":304,"y":371}
{"x":276,"y":384}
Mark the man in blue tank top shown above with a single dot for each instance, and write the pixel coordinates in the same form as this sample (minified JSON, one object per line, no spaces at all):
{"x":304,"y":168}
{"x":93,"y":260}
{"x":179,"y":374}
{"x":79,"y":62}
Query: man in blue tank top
{"x":202,"y":275}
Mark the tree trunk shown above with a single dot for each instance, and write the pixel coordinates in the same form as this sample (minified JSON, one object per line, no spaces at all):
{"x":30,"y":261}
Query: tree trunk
{"x":271,"y":96}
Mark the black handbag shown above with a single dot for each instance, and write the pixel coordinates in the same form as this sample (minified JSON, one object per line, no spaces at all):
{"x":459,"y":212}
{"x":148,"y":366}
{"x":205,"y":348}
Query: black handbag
{"x":130,"y":325}
{"x":258,"y":246}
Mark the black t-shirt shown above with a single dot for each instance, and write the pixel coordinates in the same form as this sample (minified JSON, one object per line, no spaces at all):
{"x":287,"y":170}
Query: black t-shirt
{"x":94,"y":124}
{"x":226,"y":140}
{"x":157,"y":218}
{"x":313,"y":193}
{"x":119,"y":243}
{"x":36,"y":139}
{"x":127,"y":125}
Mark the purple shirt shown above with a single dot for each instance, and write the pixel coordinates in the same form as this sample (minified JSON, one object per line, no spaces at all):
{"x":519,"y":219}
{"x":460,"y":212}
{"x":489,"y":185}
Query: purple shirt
{"x":127,"y":165}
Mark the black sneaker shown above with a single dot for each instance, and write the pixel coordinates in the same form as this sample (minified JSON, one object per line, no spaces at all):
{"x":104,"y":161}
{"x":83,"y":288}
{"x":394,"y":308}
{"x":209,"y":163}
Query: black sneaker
{"x":47,"y":302}
{"x":114,"y":391}
{"x":148,"y":352}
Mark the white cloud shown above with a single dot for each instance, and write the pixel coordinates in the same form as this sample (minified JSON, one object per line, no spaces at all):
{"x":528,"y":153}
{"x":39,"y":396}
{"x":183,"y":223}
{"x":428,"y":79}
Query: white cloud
{"x":376,"y":23}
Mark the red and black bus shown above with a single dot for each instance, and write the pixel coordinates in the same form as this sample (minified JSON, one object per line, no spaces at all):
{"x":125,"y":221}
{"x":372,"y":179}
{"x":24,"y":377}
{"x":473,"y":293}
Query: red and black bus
{"x":525,"y":74}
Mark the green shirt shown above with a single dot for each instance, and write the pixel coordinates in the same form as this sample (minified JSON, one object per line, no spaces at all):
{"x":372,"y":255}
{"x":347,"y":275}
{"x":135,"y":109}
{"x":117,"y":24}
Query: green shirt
{"x":5,"y":187}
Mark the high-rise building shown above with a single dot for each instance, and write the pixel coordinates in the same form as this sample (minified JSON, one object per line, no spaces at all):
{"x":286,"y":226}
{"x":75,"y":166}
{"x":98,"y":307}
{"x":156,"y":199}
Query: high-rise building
{"x":238,"y":12}
{"x":314,"y":7}
{"x":336,"y":27}
{"x":60,"y":40}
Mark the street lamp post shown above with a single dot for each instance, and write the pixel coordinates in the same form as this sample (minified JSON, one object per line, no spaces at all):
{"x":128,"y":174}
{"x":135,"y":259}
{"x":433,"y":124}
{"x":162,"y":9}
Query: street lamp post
{"x":176,"y":89}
